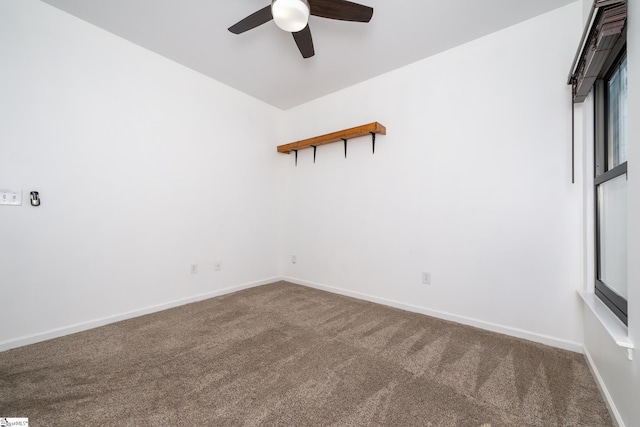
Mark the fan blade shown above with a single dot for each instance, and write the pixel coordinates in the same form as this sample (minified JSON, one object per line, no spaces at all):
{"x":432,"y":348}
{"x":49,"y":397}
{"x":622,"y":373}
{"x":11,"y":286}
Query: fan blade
{"x":305,"y":42}
{"x":255,"y":19}
{"x":341,"y":9}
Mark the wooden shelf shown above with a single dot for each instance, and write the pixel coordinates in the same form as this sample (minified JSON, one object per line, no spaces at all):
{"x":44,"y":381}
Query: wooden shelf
{"x":355,"y":132}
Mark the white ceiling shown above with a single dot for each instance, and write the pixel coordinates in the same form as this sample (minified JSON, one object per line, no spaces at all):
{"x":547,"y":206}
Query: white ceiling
{"x":265,"y":62}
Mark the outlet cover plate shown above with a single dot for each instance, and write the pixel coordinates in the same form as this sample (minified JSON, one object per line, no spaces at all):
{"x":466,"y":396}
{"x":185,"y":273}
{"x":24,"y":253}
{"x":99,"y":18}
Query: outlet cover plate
{"x":426,"y":278}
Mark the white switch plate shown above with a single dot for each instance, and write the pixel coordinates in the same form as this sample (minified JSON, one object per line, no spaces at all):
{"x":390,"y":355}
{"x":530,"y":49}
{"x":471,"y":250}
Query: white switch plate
{"x":11,"y":197}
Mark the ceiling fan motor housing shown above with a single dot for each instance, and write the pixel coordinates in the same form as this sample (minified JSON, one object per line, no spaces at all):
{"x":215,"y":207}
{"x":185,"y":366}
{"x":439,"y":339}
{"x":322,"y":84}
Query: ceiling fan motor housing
{"x":290,"y":15}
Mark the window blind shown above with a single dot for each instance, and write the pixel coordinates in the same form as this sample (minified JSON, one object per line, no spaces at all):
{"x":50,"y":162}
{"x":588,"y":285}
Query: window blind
{"x":599,"y":37}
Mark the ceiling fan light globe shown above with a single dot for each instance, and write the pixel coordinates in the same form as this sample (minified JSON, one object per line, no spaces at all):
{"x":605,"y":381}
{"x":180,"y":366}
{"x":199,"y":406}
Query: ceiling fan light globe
{"x":290,"y":15}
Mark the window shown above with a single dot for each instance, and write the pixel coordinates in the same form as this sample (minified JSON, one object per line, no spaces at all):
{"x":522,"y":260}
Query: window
{"x":611,"y":185}
{"x":600,"y":65}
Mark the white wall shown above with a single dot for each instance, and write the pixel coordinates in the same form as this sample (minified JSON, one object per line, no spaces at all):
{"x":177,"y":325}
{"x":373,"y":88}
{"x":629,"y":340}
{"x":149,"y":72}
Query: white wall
{"x":143,"y":168}
{"x":618,"y":376}
{"x":472,"y":184}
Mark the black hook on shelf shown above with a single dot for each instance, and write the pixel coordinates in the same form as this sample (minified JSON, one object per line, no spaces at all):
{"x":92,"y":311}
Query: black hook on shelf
{"x":345,"y":148}
{"x":314,"y":153}
{"x":296,"y":151}
{"x":373,"y":141}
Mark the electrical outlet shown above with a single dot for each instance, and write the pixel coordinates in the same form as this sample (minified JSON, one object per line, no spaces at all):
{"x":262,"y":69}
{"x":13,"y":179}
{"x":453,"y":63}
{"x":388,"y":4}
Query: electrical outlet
{"x":294,"y":259}
{"x":193,"y":268}
{"x":217,"y":266}
{"x":426,"y":278}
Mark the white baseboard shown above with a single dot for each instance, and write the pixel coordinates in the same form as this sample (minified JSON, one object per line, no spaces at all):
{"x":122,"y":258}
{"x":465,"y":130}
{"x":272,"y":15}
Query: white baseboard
{"x":55,"y":333}
{"x":603,"y":389}
{"x":515,"y":332}
{"x":79,"y":327}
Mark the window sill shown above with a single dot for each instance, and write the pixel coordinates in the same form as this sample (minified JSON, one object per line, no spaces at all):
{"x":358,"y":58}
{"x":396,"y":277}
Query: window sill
{"x":611,"y":323}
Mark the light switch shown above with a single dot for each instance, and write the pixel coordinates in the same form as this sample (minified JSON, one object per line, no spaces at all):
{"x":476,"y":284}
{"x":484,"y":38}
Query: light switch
{"x":11,"y":197}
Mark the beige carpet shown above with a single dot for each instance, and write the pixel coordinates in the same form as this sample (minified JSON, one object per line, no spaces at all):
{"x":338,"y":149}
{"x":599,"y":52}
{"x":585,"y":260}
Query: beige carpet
{"x":287,"y":355}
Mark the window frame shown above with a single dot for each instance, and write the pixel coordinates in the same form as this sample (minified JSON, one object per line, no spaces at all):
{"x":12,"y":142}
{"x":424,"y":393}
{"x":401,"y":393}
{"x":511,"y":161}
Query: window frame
{"x":616,"y":303}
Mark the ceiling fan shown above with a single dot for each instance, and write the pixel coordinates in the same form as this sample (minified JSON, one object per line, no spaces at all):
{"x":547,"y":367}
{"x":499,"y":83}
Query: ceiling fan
{"x":293,"y":15}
